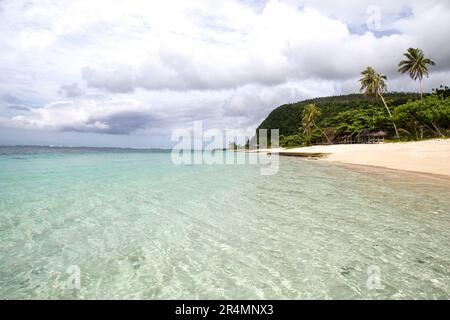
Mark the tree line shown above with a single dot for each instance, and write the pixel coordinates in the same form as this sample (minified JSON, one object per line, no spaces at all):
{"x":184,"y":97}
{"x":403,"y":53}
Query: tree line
{"x":406,"y":116}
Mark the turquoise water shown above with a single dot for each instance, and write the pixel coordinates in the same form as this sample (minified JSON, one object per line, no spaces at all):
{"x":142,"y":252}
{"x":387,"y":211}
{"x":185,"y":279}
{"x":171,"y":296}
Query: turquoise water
{"x":137,"y":226}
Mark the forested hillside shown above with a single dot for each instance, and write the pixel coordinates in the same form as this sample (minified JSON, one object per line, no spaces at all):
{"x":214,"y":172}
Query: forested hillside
{"x":287,"y":117}
{"x":349,"y":115}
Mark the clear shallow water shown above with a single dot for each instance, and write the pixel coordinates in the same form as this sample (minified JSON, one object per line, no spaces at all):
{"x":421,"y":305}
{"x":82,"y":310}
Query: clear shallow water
{"x":139,"y":227}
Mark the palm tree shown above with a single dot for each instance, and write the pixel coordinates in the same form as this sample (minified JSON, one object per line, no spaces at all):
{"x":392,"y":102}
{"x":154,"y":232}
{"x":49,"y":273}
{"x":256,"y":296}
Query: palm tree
{"x":309,"y":115}
{"x":416,"y":66}
{"x":373,"y":84}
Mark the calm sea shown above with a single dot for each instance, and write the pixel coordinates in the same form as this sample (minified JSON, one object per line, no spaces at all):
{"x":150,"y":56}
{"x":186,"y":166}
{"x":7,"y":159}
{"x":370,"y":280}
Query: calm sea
{"x":88,"y":223}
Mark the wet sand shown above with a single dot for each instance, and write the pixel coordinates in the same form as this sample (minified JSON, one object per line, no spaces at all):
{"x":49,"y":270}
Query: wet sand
{"x":431,"y":157}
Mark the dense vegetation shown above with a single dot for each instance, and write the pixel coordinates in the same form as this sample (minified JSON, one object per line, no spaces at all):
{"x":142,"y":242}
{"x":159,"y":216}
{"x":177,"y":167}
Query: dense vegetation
{"x":287,"y":117}
{"x":369,"y":116}
{"x":348,"y":115}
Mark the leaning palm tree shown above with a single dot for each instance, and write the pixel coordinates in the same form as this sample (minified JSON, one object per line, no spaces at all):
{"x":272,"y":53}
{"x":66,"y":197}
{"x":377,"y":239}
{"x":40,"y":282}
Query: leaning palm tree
{"x":416,"y":66}
{"x":373,"y":84}
{"x":309,"y":115}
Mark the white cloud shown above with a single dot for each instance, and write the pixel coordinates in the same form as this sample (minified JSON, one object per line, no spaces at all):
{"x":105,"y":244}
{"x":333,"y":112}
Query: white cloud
{"x":71,"y":90}
{"x":160,"y":113}
{"x":116,"y":117}
{"x":284,"y":43}
{"x":152,"y":65}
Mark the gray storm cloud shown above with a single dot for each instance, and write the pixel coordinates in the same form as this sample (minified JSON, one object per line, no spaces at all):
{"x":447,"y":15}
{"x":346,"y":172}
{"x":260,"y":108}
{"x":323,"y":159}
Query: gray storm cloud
{"x":71,"y":90}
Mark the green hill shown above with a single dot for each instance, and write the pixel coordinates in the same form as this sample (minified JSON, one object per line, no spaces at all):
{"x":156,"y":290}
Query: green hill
{"x":287,"y":117}
{"x":347,"y":118}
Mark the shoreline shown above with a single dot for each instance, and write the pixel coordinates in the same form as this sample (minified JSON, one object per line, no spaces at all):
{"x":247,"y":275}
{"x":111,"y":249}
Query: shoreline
{"x":431,"y":157}
{"x":394,"y":173}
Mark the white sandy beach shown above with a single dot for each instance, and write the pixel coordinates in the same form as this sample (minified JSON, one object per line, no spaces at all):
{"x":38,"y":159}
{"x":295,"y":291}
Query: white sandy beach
{"x":431,"y":156}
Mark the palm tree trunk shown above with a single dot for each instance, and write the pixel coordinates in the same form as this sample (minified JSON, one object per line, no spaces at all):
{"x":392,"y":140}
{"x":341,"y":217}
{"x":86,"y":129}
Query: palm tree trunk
{"x":323,"y":132}
{"x":390,"y":115}
{"x":307,"y":133}
{"x":437,"y":129}
{"x":421,"y":89}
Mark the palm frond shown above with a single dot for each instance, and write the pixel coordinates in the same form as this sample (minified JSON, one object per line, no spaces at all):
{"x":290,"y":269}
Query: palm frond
{"x":415,"y":64}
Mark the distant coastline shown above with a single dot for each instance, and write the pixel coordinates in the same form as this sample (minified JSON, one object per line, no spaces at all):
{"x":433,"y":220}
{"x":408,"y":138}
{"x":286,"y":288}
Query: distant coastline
{"x":72,"y":149}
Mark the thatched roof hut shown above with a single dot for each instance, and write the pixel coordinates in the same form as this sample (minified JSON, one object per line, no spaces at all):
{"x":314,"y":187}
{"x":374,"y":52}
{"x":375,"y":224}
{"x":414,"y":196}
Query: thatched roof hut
{"x":371,"y":137}
{"x":363,"y":133}
{"x":378,"y":134}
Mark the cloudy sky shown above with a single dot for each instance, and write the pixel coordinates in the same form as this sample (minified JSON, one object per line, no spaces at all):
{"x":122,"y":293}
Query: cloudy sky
{"x":127,"y":73}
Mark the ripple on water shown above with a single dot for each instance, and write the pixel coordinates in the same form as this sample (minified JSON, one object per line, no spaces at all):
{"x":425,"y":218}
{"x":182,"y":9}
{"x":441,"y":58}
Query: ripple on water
{"x":139,"y":227}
